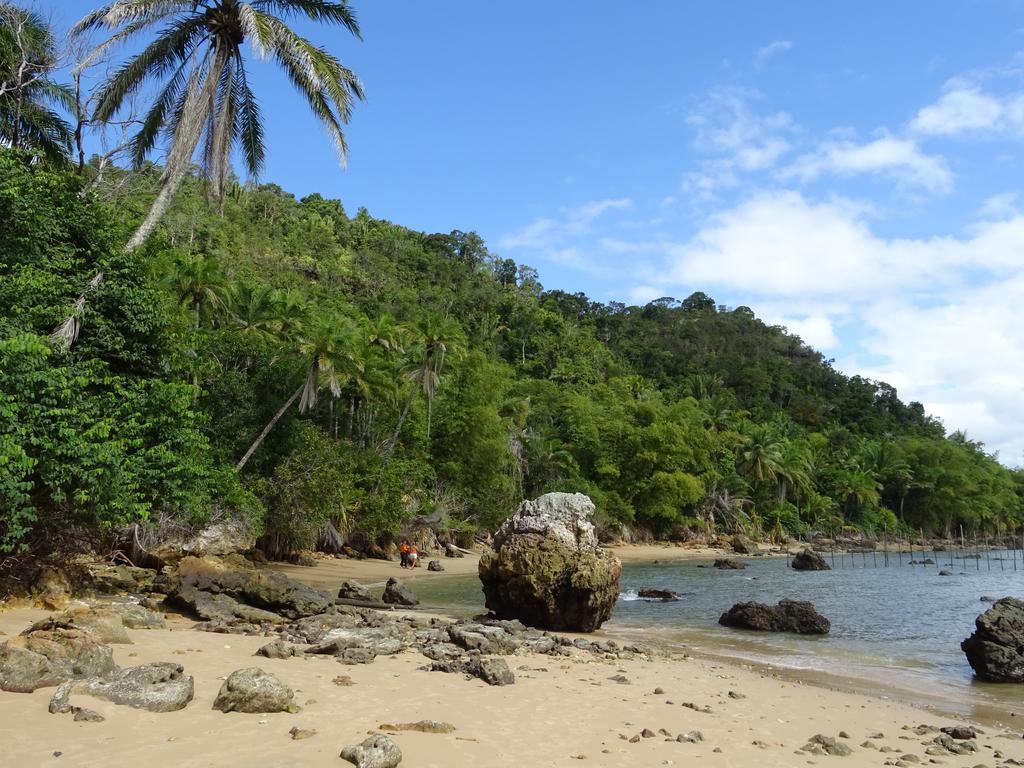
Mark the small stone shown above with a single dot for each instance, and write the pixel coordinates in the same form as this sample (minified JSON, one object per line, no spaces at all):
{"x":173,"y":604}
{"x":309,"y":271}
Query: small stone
{"x":647,"y":733}
{"x":298,"y":734}
{"x":83,"y":715}
{"x":343,"y":680}
{"x":420,"y":726}
{"x":659,"y":691}
{"x":736,"y":695}
{"x":635,"y":739}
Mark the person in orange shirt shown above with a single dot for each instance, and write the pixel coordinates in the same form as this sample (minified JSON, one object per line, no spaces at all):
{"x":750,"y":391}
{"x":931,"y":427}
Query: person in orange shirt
{"x":403,"y":551}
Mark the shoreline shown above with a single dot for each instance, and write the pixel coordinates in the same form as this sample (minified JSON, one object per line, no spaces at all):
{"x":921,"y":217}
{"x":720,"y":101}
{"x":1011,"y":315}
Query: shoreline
{"x":933,"y":700}
{"x":745,"y":717}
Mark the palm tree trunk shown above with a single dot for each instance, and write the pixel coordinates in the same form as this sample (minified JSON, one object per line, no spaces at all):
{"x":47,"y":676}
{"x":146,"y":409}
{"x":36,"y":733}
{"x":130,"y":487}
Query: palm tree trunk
{"x":186,"y":139}
{"x":266,"y":430}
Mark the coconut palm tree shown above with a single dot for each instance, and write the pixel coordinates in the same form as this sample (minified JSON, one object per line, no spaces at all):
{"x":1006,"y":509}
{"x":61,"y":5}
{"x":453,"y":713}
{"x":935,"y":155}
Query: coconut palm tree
{"x":204,"y":94}
{"x":28,"y":97}
{"x":760,"y":455}
{"x":198,"y":281}
{"x":435,"y":335}
{"x":330,"y":350}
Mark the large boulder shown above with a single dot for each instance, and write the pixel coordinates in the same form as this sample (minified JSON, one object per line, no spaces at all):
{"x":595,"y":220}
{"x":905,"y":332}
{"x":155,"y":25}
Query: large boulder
{"x":788,"y":616}
{"x":253,"y":690}
{"x":809,"y":560}
{"x":396,"y":593}
{"x":45,"y":658}
{"x":995,"y":650}
{"x":268,"y":591}
{"x":157,"y":687}
{"x":546,"y":568}
{"x":112,"y":579}
{"x":742,"y":545}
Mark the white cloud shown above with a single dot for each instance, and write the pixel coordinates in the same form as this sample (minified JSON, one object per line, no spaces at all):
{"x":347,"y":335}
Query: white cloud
{"x":772,"y":49}
{"x":736,"y":139}
{"x":965,"y":108}
{"x":998,"y":207}
{"x":896,"y":158}
{"x":547,"y":234}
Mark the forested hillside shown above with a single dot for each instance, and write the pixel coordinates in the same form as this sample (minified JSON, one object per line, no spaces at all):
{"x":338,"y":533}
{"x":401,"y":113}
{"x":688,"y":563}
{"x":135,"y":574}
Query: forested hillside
{"x":294,"y":363}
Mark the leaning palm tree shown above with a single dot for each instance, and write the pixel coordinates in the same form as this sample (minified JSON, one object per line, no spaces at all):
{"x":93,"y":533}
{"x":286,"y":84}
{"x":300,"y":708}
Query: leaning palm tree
{"x":329,"y":348}
{"x":28,"y":96}
{"x":204,"y":94}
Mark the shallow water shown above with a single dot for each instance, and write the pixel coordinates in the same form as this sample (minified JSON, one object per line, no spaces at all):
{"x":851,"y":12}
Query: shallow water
{"x":896,"y":626}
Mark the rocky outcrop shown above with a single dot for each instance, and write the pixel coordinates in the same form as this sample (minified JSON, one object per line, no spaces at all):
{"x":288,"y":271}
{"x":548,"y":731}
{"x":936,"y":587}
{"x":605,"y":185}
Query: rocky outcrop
{"x":157,"y":687}
{"x":435,"y":565}
{"x":375,"y":752}
{"x":995,"y":650}
{"x":742,"y":545}
{"x":45,"y":658}
{"x":546,"y":568}
{"x":112,"y":579}
{"x":222,"y":588}
{"x":253,"y":690}
{"x":809,"y":560}
{"x":396,"y":593}
{"x":788,"y":616}
{"x":353,"y":590}
{"x":104,"y":625}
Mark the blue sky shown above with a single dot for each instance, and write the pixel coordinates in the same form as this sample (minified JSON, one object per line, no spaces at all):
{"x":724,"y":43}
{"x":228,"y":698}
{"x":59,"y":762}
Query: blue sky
{"x":851,"y":171}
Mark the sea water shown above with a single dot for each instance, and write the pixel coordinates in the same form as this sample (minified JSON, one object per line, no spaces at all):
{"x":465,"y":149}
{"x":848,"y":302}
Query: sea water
{"x":897,"y":627}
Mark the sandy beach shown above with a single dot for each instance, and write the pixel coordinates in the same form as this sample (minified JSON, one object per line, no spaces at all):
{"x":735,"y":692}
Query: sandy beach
{"x":559,"y":712}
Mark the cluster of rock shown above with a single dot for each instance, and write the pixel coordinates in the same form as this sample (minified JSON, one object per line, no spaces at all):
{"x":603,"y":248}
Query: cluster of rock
{"x":995,"y":650}
{"x":71,"y":651}
{"x":546,"y":568}
{"x":788,"y":616}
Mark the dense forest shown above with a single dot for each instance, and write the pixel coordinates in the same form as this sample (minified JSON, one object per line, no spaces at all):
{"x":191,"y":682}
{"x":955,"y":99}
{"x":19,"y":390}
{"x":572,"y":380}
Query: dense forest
{"x":294,"y":364}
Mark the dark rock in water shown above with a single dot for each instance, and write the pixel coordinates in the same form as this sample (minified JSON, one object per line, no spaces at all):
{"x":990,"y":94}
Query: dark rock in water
{"x":158,"y":687}
{"x":45,"y":658}
{"x":435,"y":565}
{"x":944,"y":572}
{"x":253,"y":690}
{"x":726,"y":564}
{"x":996,"y":649}
{"x":353,"y":590}
{"x":658,"y":595}
{"x":196,"y":580}
{"x":809,"y":560}
{"x":742,"y":545}
{"x":788,"y":616}
{"x":987,"y":599}
{"x":546,"y":567}
{"x":396,"y":593}
{"x":375,"y":752}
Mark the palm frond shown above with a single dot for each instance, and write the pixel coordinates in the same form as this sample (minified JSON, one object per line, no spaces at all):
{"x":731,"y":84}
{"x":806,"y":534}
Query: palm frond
{"x":131,"y":11}
{"x":330,"y":11}
{"x":170,"y":49}
{"x":250,"y":123}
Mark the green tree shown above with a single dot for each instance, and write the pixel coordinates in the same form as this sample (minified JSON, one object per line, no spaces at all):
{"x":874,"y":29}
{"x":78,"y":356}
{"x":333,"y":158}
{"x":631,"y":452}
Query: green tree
{"x":29,"y":97}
